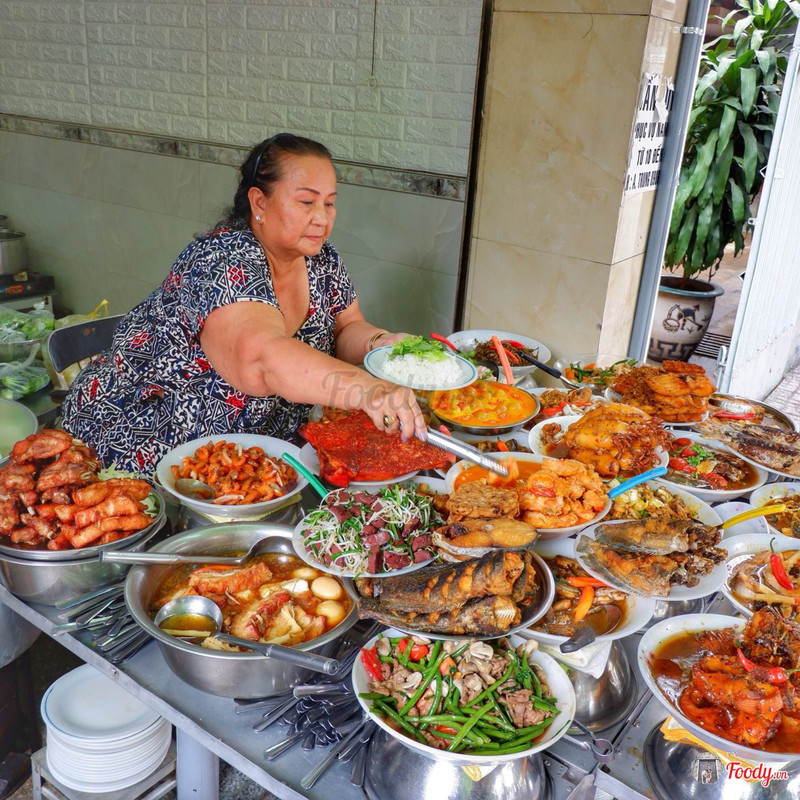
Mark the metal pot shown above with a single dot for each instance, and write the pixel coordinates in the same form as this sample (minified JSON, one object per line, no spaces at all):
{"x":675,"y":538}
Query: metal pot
{"x":51,"y":582}
{"x":244,"y":675}
{"x":12,"y":252}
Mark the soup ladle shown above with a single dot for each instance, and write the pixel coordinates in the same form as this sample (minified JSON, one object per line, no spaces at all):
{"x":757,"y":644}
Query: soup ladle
{"x":583,"y":637}
{"x":194,"y":489}
{"x":196,"y":605}
{"x":265,"y":545}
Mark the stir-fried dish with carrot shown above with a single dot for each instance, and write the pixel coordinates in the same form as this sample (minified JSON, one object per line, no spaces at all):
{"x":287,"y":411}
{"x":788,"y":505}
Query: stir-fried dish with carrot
{"x":481,"y":698}
{"x":580,"y":601}
{"x":740,"y":685}
{"x":238,"y":475}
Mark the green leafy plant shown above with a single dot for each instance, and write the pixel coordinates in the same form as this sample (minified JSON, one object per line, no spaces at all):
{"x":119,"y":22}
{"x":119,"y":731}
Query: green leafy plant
{"x":729,"y":134}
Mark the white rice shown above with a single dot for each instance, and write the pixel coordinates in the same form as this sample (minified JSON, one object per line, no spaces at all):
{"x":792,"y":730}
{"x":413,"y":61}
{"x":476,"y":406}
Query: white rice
{"x":411,"y":370}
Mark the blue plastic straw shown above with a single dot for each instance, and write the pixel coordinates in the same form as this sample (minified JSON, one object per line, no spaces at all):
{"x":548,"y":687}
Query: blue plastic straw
{"x":656,"y":472}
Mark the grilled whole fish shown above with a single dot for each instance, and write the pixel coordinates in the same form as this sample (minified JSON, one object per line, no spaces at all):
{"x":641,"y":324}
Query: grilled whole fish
{"x":448,"y":587}
{"x":645,"y":573}
{"x":774,"y":448}
{"x":659,"y":536}
{"x":486,"y":616}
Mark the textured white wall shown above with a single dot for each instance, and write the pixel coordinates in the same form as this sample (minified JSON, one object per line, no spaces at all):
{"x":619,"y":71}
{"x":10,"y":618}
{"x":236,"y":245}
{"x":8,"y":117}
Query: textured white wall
{"x":235,"y":72}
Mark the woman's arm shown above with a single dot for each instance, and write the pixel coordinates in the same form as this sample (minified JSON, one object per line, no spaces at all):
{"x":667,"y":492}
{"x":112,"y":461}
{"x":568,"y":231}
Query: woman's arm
{"x":246,"y":344}
{"x":355,"y":337}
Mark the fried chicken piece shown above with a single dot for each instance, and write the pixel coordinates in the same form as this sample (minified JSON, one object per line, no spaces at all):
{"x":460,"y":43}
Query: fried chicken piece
{"x":479,"y":500}
{"x":71,"y":474}
{"x":96,"y":493}
{"x":115,"y":506}
{"x":45,"y":528}
{"x":9,"y":515}
{"x":17,"y":477}
{"x":42,"y":445}
{"x":128,"y":523}
{"x":683,"y":367}
{"x":25,"y":535}
{"x":675,"y":385}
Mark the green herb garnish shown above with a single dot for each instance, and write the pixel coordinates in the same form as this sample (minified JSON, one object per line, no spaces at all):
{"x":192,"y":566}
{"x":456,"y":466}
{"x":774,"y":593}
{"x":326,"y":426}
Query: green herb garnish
{"x":418,"y":346}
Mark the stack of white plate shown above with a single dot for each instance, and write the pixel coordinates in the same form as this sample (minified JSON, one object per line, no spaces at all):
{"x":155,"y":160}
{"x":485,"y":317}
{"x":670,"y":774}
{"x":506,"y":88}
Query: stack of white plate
{"x":99,"y":737}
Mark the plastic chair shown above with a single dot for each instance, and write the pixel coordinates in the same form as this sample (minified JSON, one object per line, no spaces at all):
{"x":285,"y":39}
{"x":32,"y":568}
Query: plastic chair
{"x":67,"y":346}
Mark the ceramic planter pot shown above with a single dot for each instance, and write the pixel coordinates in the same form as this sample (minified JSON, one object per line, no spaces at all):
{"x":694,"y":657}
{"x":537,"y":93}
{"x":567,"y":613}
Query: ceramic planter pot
{"x":681,"y":317}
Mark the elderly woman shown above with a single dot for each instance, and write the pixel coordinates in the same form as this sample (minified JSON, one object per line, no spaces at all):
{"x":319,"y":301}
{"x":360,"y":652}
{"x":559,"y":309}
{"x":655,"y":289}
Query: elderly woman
{"x":256,"y":319}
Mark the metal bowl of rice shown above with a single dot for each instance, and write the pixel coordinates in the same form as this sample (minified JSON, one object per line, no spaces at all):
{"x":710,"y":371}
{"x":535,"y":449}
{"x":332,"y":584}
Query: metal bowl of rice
{"x":420,"y":373}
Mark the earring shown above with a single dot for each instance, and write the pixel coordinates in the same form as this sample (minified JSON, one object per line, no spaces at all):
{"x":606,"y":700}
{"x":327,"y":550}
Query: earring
{"x":258,"y":217}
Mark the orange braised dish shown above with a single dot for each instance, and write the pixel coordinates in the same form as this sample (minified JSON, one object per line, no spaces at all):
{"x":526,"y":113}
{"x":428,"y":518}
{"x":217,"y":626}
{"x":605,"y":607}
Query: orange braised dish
{"x":483,"y":403}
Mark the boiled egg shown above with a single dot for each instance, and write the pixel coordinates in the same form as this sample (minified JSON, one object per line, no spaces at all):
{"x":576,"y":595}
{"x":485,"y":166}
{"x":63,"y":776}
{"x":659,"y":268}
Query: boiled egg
{"x":306,"y":573}
{"x":332,"y":611}
{"x":327,"y":588}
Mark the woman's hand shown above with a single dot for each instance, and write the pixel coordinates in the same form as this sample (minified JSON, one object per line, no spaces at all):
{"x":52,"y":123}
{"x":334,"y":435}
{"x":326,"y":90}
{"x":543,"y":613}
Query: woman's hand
{"x":394,"y":408}
{"x":389,"y":338}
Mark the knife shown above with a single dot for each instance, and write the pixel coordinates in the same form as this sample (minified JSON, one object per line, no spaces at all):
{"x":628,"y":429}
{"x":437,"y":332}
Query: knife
{"x":459,"y":448}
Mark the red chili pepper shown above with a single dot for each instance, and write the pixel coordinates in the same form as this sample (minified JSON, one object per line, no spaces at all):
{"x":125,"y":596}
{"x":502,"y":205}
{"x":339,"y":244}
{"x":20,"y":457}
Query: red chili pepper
{"x":778,"y":570}
{"x":513,"y":356}
{"x":444,"y":340}
{"x":732,"y":415}
{"x":514,"y":344}
{"x":715,"y":480}
{"x":503,"y":447}
{"x":445,"y":729}
{"x":679,"y":464}
{"x":687,"y":452}
{"x":369,"y":658}
{"x":417,"y":651}
{"x":769,"y":674}
{"x":682,"y":442}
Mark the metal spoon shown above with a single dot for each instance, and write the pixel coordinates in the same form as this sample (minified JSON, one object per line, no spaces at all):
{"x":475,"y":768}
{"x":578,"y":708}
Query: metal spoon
{"x":266,"y":545}
{"x":200,"y":606}
{"x":193,"y":489}
{"x":583,"y":637}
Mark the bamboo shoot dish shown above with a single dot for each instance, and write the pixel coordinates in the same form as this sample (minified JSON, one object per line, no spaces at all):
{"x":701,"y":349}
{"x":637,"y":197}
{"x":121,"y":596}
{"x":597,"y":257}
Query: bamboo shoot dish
{"x":741,"y":686}
{"x":768,"y":578}
{"x":644,"y":502}
{"x":274,"y":597}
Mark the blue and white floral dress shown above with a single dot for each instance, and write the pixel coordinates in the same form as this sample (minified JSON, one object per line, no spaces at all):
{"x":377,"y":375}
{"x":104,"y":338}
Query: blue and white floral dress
{"x":155,"y":388}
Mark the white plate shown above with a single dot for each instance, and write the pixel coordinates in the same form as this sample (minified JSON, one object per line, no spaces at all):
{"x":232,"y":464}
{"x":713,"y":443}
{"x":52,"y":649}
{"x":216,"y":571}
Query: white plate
{"x":271,"y":446}
{"x":84,"y":703}
{"x":560,"y":688}
{"x":540,"y":390}
{"x":707,"y":585}
{"x":741,"y":547}
{"x":544,"y":533}
{"x":308,"y":458}
{"x":614,"y":397}
{"x":90,"y":747}
{"x":769,"y":493}
{"x":535,"y":437}
{"x":466,"y":341}
{"x":714,"y":495}
{"x":701,"y":510}
{"x":731,"y":509}
{"x":640,"y":609}
{"x":375,"y":360}
{"x":665,"y":630}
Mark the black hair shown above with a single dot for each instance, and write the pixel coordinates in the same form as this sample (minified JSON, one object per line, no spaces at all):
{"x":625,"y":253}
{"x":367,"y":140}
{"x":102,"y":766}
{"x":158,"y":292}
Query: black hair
{"x":263,"y":168}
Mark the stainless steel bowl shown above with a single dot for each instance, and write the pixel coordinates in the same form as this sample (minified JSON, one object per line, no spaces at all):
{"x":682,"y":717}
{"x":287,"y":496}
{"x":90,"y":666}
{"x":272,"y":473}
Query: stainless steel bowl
{"x":245,"y":675}
{"x":491,"y":430}
{"x":43,"y":554}
{"x":51,"y":582}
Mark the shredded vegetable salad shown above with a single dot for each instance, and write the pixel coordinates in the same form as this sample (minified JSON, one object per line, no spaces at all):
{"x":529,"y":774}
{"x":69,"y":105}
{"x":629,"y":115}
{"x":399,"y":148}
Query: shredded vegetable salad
{"x":360,"y":532}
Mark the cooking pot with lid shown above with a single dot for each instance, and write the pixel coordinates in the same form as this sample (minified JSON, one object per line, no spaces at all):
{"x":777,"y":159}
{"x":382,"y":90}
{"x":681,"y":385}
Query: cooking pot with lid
{"x":12,"y":252}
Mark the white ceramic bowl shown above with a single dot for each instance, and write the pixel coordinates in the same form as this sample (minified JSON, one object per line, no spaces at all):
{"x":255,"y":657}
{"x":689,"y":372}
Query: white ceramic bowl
{"x":769,"y":493}
{"x":560,"y":688}
{"x":665,"y":630}
{"x":466,"y":341}
{"x":537,"y":447}
{"x":544,"y":533}
{"x":740,"y":547}
{"x":598,"y":359}
{"x":640,"y":609}
{"x":701,"y":510}
{"x":715,"y":495}
{"x":272,"y":447}
{"x":731,"y":509}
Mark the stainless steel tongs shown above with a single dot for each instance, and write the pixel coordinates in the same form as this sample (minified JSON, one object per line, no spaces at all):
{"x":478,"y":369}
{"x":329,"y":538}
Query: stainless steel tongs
{"x":467,"y":451}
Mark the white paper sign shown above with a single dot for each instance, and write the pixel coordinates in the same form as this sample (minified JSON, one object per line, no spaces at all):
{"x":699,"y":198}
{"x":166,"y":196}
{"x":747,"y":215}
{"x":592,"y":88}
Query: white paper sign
{"x":647,"y":142}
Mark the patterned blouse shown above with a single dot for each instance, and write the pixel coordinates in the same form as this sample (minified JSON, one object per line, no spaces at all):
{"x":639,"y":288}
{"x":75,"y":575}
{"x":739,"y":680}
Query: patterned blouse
{"x":155,"y":389}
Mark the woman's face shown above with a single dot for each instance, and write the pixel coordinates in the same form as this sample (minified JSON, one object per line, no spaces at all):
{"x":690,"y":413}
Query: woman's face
{"x":297,"y":217}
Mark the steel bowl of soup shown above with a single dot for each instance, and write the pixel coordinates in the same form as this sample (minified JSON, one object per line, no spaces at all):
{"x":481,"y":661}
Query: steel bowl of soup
{"x":273,"y":597}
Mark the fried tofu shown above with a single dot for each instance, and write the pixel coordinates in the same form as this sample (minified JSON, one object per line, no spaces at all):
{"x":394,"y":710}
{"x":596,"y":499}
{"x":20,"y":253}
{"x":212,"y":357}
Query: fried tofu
{"x":479,"y":500}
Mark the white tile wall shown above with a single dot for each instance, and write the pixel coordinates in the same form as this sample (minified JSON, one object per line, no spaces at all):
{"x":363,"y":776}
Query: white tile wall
{"x":235,"y":72}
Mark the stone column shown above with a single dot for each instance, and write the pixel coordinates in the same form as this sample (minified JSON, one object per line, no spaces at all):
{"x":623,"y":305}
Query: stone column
{"x":557,"y":246}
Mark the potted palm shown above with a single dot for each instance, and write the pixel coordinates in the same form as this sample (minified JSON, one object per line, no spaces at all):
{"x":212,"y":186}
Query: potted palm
{"x":727,"y":145}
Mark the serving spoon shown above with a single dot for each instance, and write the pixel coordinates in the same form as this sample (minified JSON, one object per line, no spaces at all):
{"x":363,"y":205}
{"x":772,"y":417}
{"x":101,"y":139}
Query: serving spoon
{"x":194,"y":489}
{"x":206,"y":609}
{"x":583,"y":637}
{"x":265,"y":545}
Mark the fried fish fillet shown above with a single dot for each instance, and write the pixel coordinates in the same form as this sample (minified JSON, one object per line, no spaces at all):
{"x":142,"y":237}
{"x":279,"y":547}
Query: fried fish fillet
{"x":659,"y":536}
{"x":479,"y":500}
{"x":645,"y":573}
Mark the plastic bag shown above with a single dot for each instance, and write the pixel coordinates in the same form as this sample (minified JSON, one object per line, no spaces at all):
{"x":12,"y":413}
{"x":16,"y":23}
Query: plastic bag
{"x":63,"y":380}
{"x":20,"y":378}
{"x":21,"y":326}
